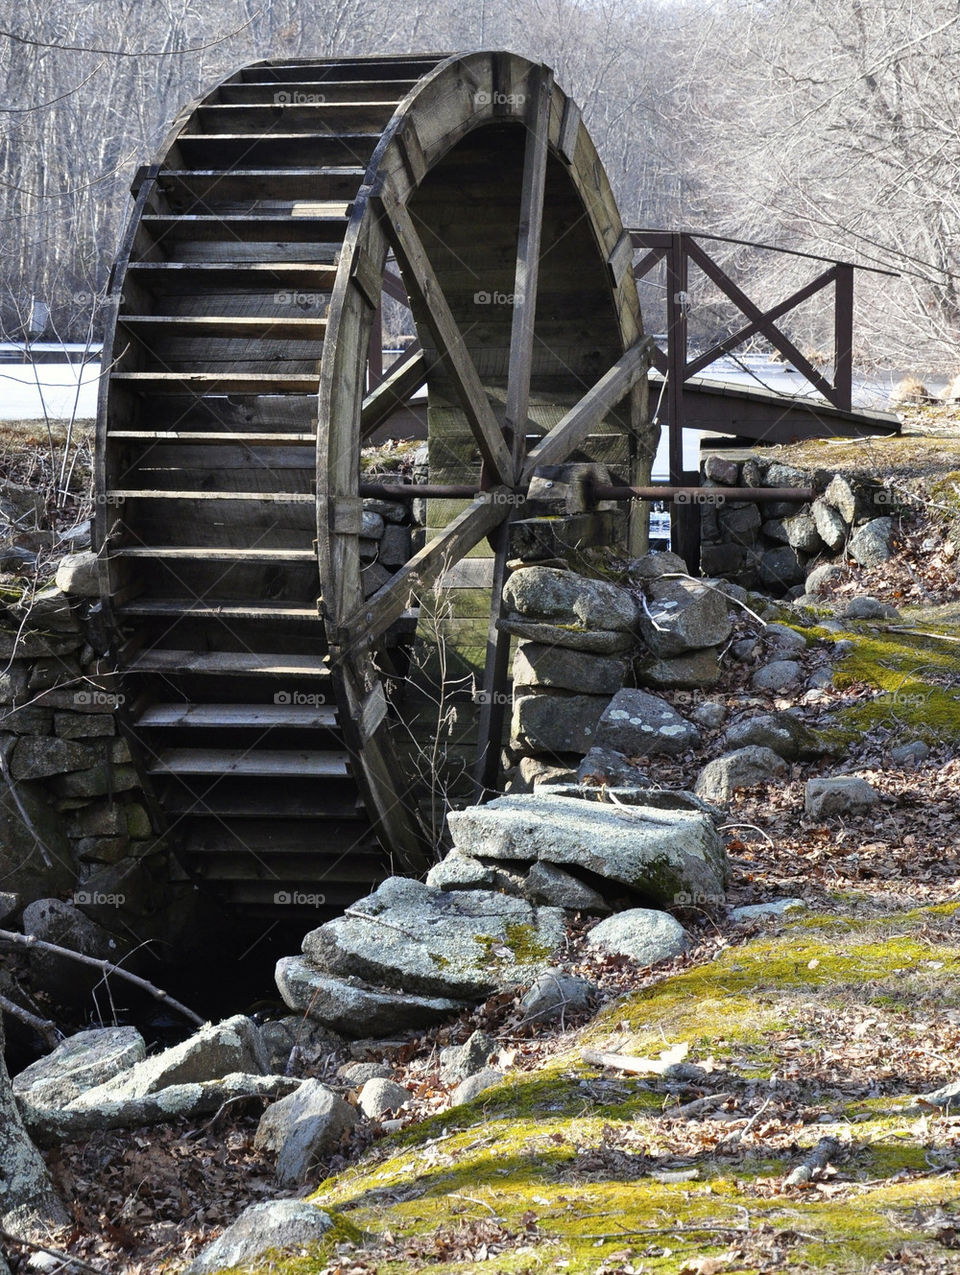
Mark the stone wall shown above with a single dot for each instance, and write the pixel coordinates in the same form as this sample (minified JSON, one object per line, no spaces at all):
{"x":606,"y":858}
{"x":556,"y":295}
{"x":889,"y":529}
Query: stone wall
{"x":774,"y":546}
{"x":74,"y":823}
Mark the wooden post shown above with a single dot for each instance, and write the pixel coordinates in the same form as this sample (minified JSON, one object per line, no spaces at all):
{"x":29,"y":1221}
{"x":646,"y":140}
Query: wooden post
{"x":684,"y":519}
{"x":843,"y":335}
{"x":375,"y":356}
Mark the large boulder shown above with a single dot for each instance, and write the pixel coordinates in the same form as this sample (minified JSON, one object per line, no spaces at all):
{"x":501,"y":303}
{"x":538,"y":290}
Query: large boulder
{"x":556,"y":723}
{"x":303,"y":1128}
{"x":645,"y":935}
{"x":214,"y":1051}
{"x":852,"y":498}
{"x":429,"y":942}
{"x":830,"y":525}
{"x":641,"y":725}
{"x":79,"y":1063}
{"x":659,"y":853}
{"x":547,"y":593}
{"x":683,"y":615}
{"x":871,"y":544}
{"x":353,"y":1008}
{"x":741,"y":769}
{"x":284,"y":1225}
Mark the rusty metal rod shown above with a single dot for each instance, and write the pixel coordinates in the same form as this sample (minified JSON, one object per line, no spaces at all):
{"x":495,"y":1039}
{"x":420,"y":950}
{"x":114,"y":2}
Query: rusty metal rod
{"x":600,"y":491}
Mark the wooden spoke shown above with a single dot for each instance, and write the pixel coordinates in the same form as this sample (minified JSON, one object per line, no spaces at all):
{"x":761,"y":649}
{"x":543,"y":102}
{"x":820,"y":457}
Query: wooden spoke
{"x":527,"y":270}
{"x":406,"y":376}
{"x":420,"y":277}
{"x":376,"y":615}
{"x":526,"y":278}
{"x":570,"y":432}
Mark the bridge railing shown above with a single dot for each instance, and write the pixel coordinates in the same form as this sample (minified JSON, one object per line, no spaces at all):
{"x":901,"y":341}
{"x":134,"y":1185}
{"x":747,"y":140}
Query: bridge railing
{"x":681,"y":249}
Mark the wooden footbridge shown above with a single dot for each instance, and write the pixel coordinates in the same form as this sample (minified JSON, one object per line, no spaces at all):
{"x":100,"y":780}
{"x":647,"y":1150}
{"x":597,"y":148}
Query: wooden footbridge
{"x":263,"y":674}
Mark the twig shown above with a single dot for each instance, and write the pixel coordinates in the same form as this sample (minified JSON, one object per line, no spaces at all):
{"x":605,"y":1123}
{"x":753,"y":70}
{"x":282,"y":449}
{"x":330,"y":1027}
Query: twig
{"x":472,"y":1200}
{"x":54,"y":1252}
{"x":737,"y":1134}
{"x":818,"y":1158}
{"x":43,"y":1026}
{"x":105,"y":967}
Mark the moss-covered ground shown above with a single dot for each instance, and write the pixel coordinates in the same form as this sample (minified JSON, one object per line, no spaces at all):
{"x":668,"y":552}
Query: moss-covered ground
{"x":820,"y":1027}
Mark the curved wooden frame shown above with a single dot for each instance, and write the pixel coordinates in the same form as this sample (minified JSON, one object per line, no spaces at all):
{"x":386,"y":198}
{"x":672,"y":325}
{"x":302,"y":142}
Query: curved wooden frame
{"x":435,"y":117}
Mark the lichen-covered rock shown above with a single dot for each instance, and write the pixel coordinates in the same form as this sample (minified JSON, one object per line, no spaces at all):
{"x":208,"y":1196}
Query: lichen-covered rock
{"x":802,"y":533}
{"x":216,"y":1050}
{"x":284,"y":1225}
{"x":607,"y":766}
{"x":644,"y":934}
{"x":779,"y":569}
{"x":743,"y":768}
{"x":547,"y":593}
{"x":656,"y":564}
{"x":353,"y":1008}
{"x":79,"y":575}
{"x":638,"y":724}
{"x":470,"y":1088}
{"x":556,"y":724}
{"x":302,"y":1128}
{"x":430,"y":942}
{"x":595,"y":640}
{"x":784,"y":733}
{"x":659,"y":852}
{"x":830,"y":525}
{"x":556,"y":667}
{"x":463,"y":872}
{"x":378,"y":1096}
{"x":79,"y":1063}
{"x":683,"y":615}
{"x":555,"y":995}
{"x":774,"y":908}
{"x":778,"y":675}
{"x":839,"y":795}
{"x":457,"y":1062}
{"x":871,"y":544}
{"x":783,"y":641}
{"x":695,"y":671}
{"x":550,"y":885}
{"x":867,"y":608}
{"x":854,"y":499}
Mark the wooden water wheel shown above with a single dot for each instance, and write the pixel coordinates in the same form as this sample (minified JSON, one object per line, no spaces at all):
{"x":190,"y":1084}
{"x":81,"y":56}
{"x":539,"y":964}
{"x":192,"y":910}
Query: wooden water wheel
{"x":230,"y":506}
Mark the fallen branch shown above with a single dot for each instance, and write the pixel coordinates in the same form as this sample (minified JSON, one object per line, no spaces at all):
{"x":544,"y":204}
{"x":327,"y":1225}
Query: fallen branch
{"x":42,"y":1026}
{"x":818,"y":1159}
{"x":698,"y":1106}
{"x":105,"y":967}
{"x":67,"y":1258}
{"x":49,"y":1126}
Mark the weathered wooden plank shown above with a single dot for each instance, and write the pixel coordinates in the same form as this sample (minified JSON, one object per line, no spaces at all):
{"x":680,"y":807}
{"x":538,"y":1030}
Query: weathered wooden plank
{"x":292,"y":763}
{"x":204,"y":716}
{"x":406,"y":376}
{"x":565,"y":437}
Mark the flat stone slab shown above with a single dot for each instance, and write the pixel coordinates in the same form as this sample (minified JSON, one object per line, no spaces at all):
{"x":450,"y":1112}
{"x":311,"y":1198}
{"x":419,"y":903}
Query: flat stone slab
{"x":661,"y":853}
{"x":424,"y":941}
{"x":79,"y":1063}
{"x":574,"y":636}
{"x":557,"y":724}
{"x":348,"y":1006}
{"x":212,"y":1052}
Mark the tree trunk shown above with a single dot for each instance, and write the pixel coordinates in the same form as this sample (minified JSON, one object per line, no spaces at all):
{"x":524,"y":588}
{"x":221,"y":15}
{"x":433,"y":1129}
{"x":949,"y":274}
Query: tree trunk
{"x":29,"y":1204}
